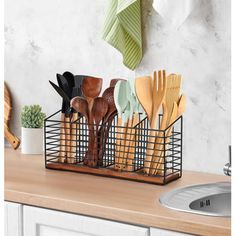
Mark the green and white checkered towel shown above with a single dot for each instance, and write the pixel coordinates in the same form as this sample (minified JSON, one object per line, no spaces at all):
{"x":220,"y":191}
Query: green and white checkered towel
{"x":122,"y":29}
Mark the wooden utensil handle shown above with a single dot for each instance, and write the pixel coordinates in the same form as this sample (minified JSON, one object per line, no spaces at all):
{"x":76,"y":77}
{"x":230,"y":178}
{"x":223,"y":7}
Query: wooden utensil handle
{"x":150,"y":150}
{"x":118,"y":142}
{"x":131,"y":150}
{"x":127,"y":141}
{"x":173,"y":117}
{"x":95,"y":148}
{"x":121,"y":153}
{"x":159,"y":164}
{"x":159,"y":146}
{"x":62,"y":153}
{"x":73,"y":137}
{"x":67,"y":138}
{"x":159,"y":142}
{"x":103,"y":135}
{"x":89,"y":157}
{"x":11,"y":138}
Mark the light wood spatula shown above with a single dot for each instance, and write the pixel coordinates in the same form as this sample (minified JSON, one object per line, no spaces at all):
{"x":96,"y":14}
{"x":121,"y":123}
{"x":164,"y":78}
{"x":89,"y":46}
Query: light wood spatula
{"x":143,"y":88}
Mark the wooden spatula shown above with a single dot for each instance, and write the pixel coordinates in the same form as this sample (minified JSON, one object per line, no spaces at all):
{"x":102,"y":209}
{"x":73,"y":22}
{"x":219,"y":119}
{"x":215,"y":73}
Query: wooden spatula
{"x":143,"y":88}
{"x":172,"y":93}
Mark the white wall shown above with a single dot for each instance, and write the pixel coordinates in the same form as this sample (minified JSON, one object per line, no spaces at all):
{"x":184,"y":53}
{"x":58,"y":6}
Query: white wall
{"x":43,"y":38}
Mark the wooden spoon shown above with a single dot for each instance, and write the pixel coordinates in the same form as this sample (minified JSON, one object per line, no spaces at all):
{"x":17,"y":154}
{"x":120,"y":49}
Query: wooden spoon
{"x":108,"y":96}
{"x":91,"y":88}
{"x":99,"y":110}
{"x":113,"y":82}
{"x":80,"y":105}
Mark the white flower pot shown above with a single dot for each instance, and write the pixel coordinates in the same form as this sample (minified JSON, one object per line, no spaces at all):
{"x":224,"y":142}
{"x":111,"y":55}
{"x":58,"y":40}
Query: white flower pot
{"x":31,"y":141}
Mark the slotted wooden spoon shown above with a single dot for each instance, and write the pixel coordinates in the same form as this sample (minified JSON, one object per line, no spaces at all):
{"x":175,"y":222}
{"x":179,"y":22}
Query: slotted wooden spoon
{"x":108,"y":96}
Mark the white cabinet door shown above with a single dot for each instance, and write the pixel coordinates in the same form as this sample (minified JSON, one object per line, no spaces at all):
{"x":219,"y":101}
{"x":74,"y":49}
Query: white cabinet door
{"x":161,"y":232}
{"x":43,"y":222}
{"x":13,"y":219}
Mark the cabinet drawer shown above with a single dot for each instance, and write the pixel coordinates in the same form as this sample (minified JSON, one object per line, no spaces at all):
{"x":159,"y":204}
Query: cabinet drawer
{"x":44,"y":222}
{"x":162,"y":232}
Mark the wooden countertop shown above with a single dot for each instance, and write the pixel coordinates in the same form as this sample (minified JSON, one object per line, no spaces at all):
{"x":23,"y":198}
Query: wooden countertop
{"x":28,"y":182}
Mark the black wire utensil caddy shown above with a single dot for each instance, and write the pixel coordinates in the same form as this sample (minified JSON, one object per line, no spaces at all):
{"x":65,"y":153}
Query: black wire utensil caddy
{"x":132,"y":151}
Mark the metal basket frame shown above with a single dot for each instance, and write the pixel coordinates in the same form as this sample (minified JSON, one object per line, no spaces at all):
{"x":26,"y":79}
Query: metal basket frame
{"x":167,"y":168}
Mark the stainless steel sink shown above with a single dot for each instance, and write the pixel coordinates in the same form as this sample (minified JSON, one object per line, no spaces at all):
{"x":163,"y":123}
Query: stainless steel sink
{"x":208,"y":199}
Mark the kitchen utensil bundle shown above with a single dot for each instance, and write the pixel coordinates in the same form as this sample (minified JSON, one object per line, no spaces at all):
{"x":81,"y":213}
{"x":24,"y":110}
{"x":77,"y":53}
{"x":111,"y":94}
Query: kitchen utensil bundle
{"x":80,"y":98}
{"x":125,"y":98}
{"x":167,"y":96}
{"x":69,"y":87}
{"x":133,"y":130}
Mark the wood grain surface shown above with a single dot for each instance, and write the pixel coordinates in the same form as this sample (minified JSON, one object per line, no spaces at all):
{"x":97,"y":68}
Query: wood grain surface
{"x":28,"y":182}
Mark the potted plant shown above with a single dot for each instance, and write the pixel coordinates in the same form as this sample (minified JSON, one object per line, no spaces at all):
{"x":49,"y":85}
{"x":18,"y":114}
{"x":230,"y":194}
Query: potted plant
{"x":32,"y":119}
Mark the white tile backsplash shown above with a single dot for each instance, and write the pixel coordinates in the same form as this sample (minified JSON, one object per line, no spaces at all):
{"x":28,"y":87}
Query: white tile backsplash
{"x":43,"y":38}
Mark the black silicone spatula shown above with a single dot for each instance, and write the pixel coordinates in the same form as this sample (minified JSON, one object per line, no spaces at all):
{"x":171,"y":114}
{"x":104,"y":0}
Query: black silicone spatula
{"x":66,"y":86}
{"x":60,"y":92}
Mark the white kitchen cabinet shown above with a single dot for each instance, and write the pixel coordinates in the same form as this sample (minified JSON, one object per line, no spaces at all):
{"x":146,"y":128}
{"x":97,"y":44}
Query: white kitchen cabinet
{"x":21,"y":220}
{"x":13,"y":219}
{"x":44,"y":222}
{"x":161,"y":232}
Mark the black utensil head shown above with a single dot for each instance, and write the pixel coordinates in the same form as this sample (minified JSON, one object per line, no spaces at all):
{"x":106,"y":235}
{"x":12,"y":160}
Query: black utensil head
{"x":60,"y":92}
{"x":76,"y":92}
{"x":70,"y":80}
{"x":78,"y":80}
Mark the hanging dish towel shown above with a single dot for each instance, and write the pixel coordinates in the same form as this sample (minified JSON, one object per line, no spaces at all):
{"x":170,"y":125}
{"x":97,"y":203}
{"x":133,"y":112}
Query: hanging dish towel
{"x":175,"y":11}
{"x":122,"y":29}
